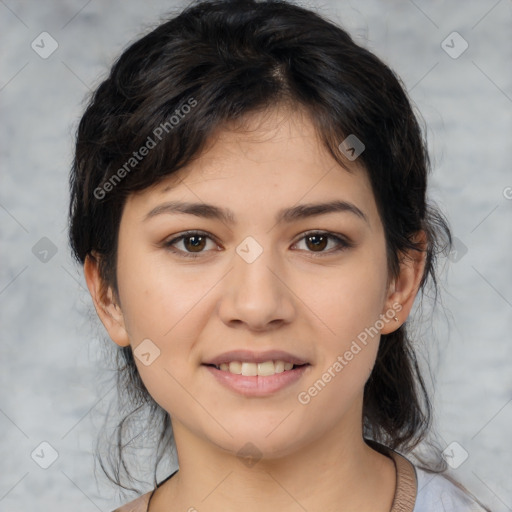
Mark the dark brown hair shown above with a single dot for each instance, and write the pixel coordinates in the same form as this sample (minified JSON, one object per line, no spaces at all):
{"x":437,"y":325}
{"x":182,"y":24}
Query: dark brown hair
{"x":224,"y":60}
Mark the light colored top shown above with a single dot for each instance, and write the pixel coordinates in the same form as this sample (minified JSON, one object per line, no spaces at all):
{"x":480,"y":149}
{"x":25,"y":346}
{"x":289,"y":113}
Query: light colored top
{"x":437,"y":494}
{"x":416,"y":491}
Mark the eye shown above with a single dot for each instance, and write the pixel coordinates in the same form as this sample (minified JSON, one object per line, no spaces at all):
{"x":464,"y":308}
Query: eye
{"x":317,"y":241}
{"x":193,"y":243}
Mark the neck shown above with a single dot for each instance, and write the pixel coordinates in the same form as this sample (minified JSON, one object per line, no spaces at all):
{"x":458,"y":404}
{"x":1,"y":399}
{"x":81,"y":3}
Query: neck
{"x":338,"y":472}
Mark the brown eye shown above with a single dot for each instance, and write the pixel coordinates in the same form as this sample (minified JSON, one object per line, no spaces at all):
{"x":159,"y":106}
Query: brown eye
{"x":317,"y":242}
{"x":189,"y":245}
{"x":196,"y":243}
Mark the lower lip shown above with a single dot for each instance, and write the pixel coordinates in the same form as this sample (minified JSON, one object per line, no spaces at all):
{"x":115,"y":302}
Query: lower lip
{"x":257,"y":385}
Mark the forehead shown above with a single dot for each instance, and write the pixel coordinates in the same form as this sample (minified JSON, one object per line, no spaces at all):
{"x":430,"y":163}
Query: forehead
{"x":279,"y":139}
{"x":266,"y":160}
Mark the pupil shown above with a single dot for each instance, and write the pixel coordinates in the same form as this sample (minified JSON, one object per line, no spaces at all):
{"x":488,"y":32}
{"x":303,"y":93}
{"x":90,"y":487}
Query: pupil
{"x":198,"y":242}
{"x":316,"y":244}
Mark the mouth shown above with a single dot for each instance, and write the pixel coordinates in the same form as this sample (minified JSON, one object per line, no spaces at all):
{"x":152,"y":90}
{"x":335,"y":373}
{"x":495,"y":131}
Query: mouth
{"x":250,"y":369}
{"x":257,"y":374}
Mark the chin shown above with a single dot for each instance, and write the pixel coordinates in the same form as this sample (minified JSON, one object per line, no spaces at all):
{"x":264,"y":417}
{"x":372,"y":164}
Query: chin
{"x":257,"y":441}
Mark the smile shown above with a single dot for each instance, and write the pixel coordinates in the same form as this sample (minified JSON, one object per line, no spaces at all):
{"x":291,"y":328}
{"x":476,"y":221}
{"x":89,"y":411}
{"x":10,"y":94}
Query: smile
{"x":250,"y":369}
{"x":244,"y":378}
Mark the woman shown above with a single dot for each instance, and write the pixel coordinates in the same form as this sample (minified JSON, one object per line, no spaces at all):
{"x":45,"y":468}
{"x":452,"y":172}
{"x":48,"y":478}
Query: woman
{"x":249,"y":204}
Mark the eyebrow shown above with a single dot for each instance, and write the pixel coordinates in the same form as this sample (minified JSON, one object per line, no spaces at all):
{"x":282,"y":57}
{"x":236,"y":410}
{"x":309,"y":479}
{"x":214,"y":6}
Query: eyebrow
{"x":286,"y":215}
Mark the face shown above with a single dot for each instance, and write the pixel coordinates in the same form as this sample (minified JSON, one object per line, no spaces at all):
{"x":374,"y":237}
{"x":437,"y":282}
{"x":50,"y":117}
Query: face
{"x":285,"y":266}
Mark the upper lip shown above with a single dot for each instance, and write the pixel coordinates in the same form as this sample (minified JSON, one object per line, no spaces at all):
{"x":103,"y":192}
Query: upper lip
{"x":255,"y":357}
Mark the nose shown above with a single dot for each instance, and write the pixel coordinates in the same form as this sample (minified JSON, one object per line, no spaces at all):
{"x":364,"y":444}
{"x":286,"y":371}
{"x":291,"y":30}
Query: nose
{"x":256,"y":294}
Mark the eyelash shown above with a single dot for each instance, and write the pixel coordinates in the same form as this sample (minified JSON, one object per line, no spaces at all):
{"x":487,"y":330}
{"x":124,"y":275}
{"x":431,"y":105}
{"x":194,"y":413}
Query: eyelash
{"x":343,"y":243}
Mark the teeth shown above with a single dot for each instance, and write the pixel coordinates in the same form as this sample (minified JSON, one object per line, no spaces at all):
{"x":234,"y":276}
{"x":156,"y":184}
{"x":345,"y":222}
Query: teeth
{"x":249,"y":369}
{"x":266,"y":368}
{"x":279,"y":366}
{"x":252,"y":369}
{"x":235,"y":367}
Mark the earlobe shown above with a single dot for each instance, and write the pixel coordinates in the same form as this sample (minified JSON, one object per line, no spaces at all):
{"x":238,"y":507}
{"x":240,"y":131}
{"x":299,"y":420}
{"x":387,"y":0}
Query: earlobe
{"x":106,"y":307}
{"x":403,"y":289}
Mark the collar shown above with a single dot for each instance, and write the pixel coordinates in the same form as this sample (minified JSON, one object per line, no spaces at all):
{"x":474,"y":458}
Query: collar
{"x":406,"y":479}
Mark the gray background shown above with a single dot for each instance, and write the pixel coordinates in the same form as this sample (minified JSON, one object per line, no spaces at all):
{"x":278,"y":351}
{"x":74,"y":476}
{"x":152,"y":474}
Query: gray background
{"x":53,"y":378}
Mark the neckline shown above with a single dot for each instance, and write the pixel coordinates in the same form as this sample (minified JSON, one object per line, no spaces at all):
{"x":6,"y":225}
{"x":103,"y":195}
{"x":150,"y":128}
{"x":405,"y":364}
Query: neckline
{"x":406,"y":486}
{"x":157,"y":486}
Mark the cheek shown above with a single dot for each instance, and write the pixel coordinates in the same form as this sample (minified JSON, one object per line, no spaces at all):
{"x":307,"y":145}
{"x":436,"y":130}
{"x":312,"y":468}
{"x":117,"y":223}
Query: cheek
{"x":164,"y":315}
{"x":158,"y":299}
{"x":349,"y":305}
{"x":345,"y":358}
{"x":350,"y":299}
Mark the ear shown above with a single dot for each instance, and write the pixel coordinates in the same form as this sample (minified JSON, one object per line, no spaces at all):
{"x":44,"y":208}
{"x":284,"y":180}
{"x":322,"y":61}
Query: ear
{"x":106,"y":307}
{"x":403,"y":289}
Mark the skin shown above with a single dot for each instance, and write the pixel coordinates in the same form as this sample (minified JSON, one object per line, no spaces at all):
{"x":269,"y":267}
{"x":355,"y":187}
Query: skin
{"x":313,"y":455}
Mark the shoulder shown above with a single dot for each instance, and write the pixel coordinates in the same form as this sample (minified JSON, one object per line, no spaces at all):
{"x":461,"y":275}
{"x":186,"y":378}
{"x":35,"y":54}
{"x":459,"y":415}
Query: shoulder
{"x":436,"y":493}
{"x":138,"y":505}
